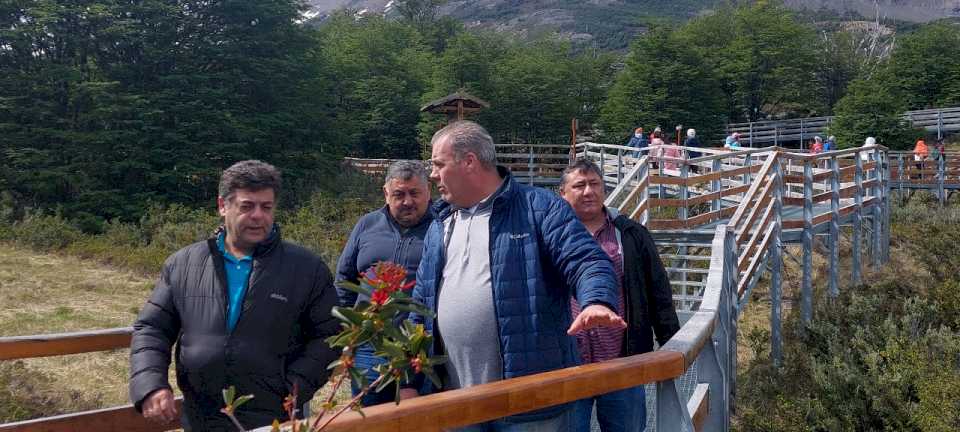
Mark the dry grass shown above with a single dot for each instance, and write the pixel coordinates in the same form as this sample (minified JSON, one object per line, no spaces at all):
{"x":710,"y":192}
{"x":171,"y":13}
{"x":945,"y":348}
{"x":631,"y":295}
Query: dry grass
{"x":51,"y":294}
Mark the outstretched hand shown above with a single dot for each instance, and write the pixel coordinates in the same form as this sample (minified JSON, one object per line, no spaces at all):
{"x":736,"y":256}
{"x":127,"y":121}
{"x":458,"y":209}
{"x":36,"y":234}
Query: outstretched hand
{"x":596,"y":316}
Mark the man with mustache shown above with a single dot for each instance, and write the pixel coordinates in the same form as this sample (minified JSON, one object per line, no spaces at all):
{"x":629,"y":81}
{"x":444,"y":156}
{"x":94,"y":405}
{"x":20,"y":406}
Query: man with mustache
{"x":646,"y":300}
{"x":392,"y":233}
{"x":245,"y":309}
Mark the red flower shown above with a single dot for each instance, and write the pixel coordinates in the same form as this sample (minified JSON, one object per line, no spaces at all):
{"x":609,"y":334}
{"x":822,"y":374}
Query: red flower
{"x":380,"y":296}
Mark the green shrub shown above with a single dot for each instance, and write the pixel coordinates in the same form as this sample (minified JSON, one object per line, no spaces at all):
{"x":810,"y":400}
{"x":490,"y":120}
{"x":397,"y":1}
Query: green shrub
{"x":324,"y":223}
{"x":173,"y":227}
{"x":44,"y":232}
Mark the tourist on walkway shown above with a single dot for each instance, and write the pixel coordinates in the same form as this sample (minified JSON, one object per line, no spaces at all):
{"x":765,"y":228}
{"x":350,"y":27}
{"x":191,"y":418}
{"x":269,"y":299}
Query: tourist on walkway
{"x":645,"y":299}
{"x":817,"y":146}
{"x":732,"y":141}
{"x":392,"y":233}
{"x":245,"y":309}
{"x":500,"y":263}
{"x":638,"y":141}
{"x":920,"y":154}
{"x":692,"y":142}
{"x":830,"y":144}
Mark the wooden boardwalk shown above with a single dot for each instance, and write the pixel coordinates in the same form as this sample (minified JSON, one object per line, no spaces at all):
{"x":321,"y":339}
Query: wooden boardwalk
{"x":722,"y":222}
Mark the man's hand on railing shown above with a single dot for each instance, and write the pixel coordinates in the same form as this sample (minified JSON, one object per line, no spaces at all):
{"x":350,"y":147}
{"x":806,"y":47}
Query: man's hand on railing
{"x":595,"y":316}
{"x":160,"y":407}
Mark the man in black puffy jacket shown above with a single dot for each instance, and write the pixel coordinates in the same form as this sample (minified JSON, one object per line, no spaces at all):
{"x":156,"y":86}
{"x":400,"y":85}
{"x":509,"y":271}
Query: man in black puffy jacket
{"x":244,"y":308}
{"x":646,"y":300}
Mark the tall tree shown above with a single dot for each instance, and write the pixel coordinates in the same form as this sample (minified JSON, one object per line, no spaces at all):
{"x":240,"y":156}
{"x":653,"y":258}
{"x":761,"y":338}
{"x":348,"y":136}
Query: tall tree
{"x":113,"y":104}
{"x":924,"y":64}
{"x":663,"y":83}
{"x":764,"y":57}
{"x":381,"y":69}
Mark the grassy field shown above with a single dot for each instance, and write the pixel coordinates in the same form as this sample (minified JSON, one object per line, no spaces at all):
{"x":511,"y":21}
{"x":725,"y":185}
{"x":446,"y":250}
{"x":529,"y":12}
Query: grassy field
{"x":41,"y":293}
{"x":51,"y":294}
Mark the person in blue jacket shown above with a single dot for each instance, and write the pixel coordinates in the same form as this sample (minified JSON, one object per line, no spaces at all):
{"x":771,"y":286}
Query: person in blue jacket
{"x":638,"y":141}
{"x":500,"y":264}
{"x":392,"y":233}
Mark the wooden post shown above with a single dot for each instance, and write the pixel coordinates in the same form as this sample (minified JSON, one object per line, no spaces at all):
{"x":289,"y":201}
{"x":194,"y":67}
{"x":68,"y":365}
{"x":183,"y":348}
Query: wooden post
{"x":806,"y":295}
{"x":834,"y":226}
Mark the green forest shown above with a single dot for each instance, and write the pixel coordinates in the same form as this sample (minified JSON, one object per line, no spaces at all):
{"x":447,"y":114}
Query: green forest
{"x":109,"y":107}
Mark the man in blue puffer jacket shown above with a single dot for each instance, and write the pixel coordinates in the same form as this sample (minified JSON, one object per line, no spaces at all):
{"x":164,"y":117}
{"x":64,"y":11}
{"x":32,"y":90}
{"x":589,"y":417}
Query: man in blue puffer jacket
{"x":500,"y":264}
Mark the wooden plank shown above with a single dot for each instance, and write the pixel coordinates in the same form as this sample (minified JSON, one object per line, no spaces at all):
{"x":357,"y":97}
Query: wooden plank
{"x":657,"y":179}
{"x":116,"y":419}
{"x":19,"y":347}
{"x":754,"y":189}
{"x":477,"y":404}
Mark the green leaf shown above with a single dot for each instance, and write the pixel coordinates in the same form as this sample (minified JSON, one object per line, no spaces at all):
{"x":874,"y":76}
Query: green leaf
{"x":348,"y":315}
{"x":241,"y":400}
{"x":228,"y":395}
{"x":350,"y":286}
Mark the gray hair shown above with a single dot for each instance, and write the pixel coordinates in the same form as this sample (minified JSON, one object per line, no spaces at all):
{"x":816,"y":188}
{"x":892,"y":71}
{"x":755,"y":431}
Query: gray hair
{"x":580,"y":165}
{"x":468,"y":137}
{"x":405,"y":170}
{"x":250,"y":175}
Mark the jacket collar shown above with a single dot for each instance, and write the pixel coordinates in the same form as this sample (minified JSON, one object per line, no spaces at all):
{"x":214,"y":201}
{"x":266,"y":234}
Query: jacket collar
{"x":263,"y":248}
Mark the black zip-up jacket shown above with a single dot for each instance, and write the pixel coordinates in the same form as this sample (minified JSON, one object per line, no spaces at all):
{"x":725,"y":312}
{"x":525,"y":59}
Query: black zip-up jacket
{"x":648,"y":299}
{"x":278,"y":340}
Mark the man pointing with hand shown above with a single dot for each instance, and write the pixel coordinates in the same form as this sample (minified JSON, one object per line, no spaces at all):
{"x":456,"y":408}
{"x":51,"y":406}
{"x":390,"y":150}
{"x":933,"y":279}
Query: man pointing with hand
{"x":500,"y":264}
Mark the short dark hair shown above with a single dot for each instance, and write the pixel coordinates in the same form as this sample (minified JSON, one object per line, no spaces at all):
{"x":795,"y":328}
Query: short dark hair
{"x":251,"y":175}
{"x":580,"y":165}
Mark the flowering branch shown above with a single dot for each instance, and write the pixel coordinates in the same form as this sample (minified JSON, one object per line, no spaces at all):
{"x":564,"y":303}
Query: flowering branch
{"x":381,"y":323}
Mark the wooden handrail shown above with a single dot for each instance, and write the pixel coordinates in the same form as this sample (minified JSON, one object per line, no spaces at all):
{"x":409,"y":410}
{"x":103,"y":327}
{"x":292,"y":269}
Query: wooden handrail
{"x":19,"y":347}
{"x":499,"y":399}
{"x":116,"y":419}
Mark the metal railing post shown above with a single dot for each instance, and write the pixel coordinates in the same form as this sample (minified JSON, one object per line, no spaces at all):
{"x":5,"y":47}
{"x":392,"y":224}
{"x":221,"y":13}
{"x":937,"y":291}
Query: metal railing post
{"x":940,"y":179}
{"x":530,"y":168}
{"x":672,"y":414}
{"x":884,"y":167}
{"x":619,"y":165}
{"x":682,"y":211}
{"x":876,"y":211}
{"x":716,"y":185}
{"x":776,"y":261}
{"x":834,"y":226}
{"x":857,"y":221}
{"x":806,"y":295}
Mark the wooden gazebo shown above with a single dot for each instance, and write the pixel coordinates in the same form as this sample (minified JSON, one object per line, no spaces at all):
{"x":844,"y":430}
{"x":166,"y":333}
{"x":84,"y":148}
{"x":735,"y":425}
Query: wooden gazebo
{"x":456,"y":105}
